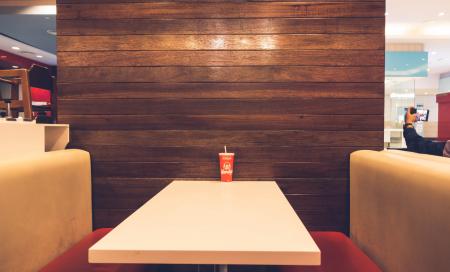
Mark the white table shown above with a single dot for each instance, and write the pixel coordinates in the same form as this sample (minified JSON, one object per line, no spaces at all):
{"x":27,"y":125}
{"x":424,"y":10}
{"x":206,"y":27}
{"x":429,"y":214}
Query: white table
{"x":21,"y":138}
{"x":211,"y":222}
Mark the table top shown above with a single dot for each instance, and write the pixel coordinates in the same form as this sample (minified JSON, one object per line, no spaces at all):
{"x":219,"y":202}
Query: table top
{"x":211,"y":222}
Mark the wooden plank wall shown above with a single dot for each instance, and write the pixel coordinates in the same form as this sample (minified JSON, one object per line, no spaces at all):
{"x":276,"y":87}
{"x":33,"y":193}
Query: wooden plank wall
{"x":154,"y":89}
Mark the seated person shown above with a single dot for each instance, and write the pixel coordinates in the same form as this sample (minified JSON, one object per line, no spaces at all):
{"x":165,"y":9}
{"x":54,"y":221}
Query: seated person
{"x":416,"y":143}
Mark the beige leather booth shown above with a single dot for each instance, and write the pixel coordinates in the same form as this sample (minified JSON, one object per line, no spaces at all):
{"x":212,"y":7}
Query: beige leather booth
{"x":400,"y":209}
{"x":45,"y":207}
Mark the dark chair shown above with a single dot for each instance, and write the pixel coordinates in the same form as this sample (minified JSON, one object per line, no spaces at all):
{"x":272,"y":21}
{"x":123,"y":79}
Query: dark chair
{"x":10,"y":80}
{"x":43,"y":94}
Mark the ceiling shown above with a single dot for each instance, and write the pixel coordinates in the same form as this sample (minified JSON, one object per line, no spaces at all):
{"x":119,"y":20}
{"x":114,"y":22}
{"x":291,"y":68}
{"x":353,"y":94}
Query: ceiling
{"x":426,"y":22}
{"x":31,"y":29}
{"x":29,"y":25}
{"x":27,"y":51}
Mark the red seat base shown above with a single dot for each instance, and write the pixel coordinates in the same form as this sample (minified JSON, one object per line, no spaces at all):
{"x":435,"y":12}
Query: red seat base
{"x":339,"y":254}
{"x":76,"y":258}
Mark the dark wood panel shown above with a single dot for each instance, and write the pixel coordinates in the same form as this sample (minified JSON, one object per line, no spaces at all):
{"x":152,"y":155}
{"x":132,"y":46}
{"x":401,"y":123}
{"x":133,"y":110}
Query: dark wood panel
{"x":230,"y":122}
{"x":211,"y":170}
{"x":215,"y":138}
{"x":220,"y":90}
{"x":222,"y":74}
{"x":127,"y":153}
{"x":236,"y":90}
{"x":243,"y":107}
{"x":221,"y":26}
{"x":220,"y":42}
{"x":167,"y":10}
{"x":331,"y":218}
{"x":137,"y":191}
{"x":151,"y":186}
{"x":203,"y":1}
{"x":321,"y":221}
{"x":223,"y":58}
{"x":154,"y":89}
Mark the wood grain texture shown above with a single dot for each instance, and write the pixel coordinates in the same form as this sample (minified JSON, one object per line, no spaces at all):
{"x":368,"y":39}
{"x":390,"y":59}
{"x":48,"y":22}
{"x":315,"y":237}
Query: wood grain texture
{"x":220,"y":42}
{"x":220,"y":26}
{"x":154,"y":89}
{"x":271,"y":154}
{"x":235,"y":90}
{"x":196,"y":1}
{"x":219,"y":138}
{"x":221,"y":74}
{"x":223,"y":58}
{"x":222,"y":9}
{"x":226,"y":121}
{"x":242,"y":107}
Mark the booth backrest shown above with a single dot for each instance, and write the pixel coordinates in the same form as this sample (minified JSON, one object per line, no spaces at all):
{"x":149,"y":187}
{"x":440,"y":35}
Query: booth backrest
{"x":399,"y":209}
{"x":45,"y":207}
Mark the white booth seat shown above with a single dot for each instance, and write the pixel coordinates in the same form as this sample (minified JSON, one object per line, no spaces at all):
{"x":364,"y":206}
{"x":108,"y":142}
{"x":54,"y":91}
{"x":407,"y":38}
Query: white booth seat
{"x":45,"y":207}
{"x":399,"y":209}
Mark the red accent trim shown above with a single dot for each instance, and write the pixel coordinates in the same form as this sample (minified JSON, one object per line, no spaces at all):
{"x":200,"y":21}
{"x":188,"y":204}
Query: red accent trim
{"x":75,"y":259}
{"x":13,"y":59}
{"x":443,"y":98}
{"x":443,"y":116}
{"x":40,"y":95}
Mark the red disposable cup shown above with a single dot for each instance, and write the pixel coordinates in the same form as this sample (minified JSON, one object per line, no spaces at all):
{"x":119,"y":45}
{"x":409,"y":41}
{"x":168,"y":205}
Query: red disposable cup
{"x":226,"y":166}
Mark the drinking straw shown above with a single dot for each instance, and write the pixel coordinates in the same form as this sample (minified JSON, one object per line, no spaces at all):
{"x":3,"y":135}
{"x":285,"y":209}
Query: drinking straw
{"x":225,"y":147}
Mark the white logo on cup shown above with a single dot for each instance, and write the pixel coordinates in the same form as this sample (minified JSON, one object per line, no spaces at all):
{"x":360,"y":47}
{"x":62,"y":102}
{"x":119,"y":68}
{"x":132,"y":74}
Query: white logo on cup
{"x":226,"y":169}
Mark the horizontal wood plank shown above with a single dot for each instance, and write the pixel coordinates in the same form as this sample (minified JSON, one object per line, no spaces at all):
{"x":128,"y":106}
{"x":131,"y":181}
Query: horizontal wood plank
{"x":223,"y":58}
{"x":168,"y":10}
{"x":221,"y":42}
{"x":211,"y":170}
{"x":244,"y":107}
{"x":221,"y":74}
{"x":220,"y":26}
{"x":237,"y":90}
{"x":230,"y":122}
{"x":217,"y":138}
{"x":202,"y":1}
{"x":127,"y":153}
{"x":314,"y":220}
{"x":108,"y":187}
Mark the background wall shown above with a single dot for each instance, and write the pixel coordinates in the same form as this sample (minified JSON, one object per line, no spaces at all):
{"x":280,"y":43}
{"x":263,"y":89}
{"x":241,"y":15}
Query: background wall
{"x":153,"y":90}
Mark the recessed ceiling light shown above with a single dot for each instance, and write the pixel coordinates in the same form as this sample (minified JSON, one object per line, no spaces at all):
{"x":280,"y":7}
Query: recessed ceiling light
{"x":428,"y":69}
{"x":433,"y":53}
{"x":15,"y":48}
{"x":39,"y":56}
{"x":386,"y":13}
{"x":15,"y":66}
{"x":441,"y":14}
{"x":39,"y":10}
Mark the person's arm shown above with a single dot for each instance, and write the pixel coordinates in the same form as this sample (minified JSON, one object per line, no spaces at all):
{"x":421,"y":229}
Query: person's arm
{"x":415,"y":142}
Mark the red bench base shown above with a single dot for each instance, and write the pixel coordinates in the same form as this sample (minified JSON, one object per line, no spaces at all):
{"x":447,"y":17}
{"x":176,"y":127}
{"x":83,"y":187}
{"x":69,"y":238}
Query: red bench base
{"x":339,"y":254}
{"x":76,"y":258}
